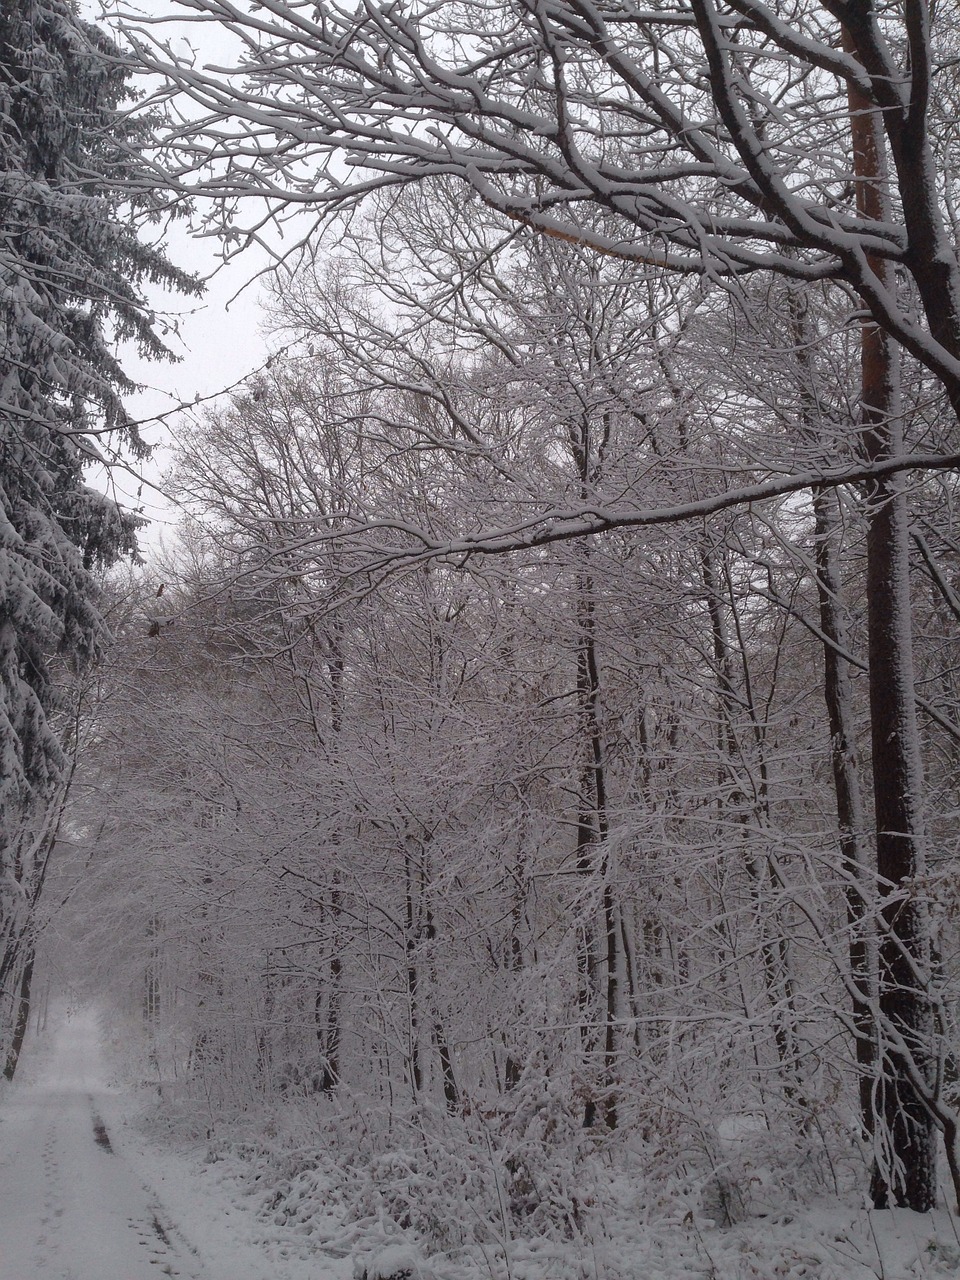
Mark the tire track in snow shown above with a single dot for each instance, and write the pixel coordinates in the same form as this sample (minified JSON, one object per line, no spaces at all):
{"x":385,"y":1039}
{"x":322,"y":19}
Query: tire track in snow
{"x":80,"y":1201}
{"x":151,"y":1234}
{"x":100,"y":1135}
{"x":72,"y":1207}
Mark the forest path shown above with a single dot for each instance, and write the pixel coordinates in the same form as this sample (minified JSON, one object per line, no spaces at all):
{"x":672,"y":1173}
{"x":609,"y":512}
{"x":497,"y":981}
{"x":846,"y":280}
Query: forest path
{"x":77,"y":1204}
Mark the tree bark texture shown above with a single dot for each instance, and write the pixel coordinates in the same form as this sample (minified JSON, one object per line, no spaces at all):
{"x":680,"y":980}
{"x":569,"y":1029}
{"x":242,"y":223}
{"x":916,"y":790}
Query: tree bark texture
{"x":904,"y":1136}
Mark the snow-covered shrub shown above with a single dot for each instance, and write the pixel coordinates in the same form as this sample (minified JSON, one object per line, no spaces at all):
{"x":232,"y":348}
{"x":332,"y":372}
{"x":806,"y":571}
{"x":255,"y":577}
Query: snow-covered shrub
{"x":537,"y":1138}
{"x":438,"y":1189}
{"x":395,"y":1262}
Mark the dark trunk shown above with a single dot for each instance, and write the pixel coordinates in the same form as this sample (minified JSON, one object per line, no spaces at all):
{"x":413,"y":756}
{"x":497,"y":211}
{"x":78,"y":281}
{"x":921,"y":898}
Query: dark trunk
{"x":904,"y":1138}
{"x":905,"y":1172}
{"x":850,"y":816}
{"x":593,"y":862}
{"x":21,"y":1017}
{"x":451,"y":1094}
{"x":328,"y":1009}
{"x":411,"y":911}
{"x":837,"y":695}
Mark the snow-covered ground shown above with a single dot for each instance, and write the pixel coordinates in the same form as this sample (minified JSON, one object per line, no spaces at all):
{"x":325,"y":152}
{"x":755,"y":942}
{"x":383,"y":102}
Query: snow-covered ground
{"x":87,"y":1194}
{"x":83,"y":1197}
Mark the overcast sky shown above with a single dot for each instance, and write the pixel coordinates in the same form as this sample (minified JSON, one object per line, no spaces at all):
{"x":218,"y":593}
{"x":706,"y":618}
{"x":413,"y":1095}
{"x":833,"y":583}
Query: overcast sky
{"x":218,"y":339}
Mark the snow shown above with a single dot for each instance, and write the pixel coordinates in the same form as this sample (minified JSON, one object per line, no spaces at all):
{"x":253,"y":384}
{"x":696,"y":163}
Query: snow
{"x":86,"y":1195}
{"x":83,"y":1197}
{"x":395,"y":1260}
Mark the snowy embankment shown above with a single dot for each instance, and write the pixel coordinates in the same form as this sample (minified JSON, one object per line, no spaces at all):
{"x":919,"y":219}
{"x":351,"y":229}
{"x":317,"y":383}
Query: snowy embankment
{"x":432,"y":1210}
{"x":97,"y":1184}
{"x":622,"y":1240}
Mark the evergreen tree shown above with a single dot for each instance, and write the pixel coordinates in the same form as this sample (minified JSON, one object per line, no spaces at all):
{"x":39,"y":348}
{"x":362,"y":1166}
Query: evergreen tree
{"x":73,"y":199}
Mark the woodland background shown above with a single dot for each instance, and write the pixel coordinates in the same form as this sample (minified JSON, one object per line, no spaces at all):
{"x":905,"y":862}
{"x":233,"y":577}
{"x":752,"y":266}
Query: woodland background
{"x":533,"y":771}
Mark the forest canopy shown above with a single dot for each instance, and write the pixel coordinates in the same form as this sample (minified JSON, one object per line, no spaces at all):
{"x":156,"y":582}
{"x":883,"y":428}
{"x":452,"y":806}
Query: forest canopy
{"x":547,"y":739}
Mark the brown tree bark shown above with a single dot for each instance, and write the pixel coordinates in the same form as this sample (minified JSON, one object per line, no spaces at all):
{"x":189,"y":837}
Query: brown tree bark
{"x":904,"y":1136}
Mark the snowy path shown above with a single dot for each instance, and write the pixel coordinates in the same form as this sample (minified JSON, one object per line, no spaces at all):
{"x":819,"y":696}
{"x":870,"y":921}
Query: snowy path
{"x":78,"y":1202}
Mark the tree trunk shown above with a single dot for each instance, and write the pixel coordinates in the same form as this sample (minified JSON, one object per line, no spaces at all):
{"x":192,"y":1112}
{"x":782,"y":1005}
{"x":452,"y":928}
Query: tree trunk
{"x":331,"y":1035}
{"x":905,"y":1172}
{"x":904,"y":1137}
{"x":850,"y":815}
{"x":22,"y":1016}
{"x":411,"y":944}
{"x":593,"y":862}
{"x":327,"y":1011}
{"x":851,"y":819}
{"x":451,"y":1094}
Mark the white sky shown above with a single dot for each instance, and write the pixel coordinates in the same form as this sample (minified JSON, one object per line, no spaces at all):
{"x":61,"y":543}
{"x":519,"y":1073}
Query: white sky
{"x":218,"y":339}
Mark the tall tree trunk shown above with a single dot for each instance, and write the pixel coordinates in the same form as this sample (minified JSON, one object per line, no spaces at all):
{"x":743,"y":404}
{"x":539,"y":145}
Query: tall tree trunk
{"x":513,"y":1067}
{"x":851,"y":820}
{"x":22,"y":1015}
{"x":151,"y":977}
{"x":411,"y":946}
{"x":597,"y":995}
{"x":904,"y":1137}
{"x":905,"y":1172}
{"x":331,"y":1041}
{"x":451,"y":1093}
{"x":328,"y":998}
{"x":850,"y":815}
{"x":336,"y":667}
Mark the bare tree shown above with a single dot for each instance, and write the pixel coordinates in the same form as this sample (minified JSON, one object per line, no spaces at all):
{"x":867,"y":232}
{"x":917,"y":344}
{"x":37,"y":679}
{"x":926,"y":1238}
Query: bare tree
{"x":718,"y":141}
